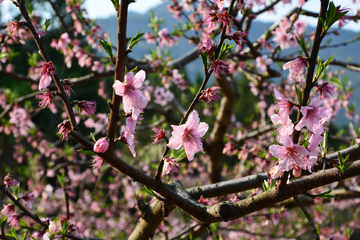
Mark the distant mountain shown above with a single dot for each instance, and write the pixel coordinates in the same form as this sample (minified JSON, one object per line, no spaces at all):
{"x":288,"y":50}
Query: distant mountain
{"x":140,"y":21}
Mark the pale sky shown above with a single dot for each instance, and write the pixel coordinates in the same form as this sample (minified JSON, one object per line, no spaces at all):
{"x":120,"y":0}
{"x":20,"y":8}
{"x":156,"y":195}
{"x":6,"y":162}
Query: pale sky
{"x":104,"y":9}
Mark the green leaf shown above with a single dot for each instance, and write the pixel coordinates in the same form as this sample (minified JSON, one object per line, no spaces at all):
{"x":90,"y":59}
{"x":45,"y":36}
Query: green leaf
{"x":87,"y":152}
{"x":204,"y":59}
{"x":115,"y":4}
{"x":107,"y":47}
{"x":298,"y":94}
{"x":225,"y":49}
{"x":135,"y":39}
{"x":61,"y":179}
{"x":148,"y":191}
{"x":266,"y":186}
{"x":3,"y":221}
{"x":24,"y":236}
{"x":302,"y":43}
{"x":92,"y":137}
{"x":15,"y":190}
{"x":46,"y":24}
{"x":325,"y":195}
{"x":343,"y":163}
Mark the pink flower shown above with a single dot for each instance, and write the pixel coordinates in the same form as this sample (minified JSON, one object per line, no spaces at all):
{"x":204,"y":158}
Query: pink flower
{"x":314,"y":142}
{"x":28,"y":198}
{"x":128,"y":137}
{"x":165,"y":38}
{"x":205,"y":43}
{"x":159,"y":134}
{"x":210,"y":18}
{"x":97,"y":162}
{"x":262,"y":63}
{"x":101,"y":145}
{"x":344,"y":19}
{"x":283,"y":38}
{"x":46,"y":71}
{"x":45,"y":99}
{"x":290,"y":154}
{"x":14,"y":220}
{"x":225,"y":19}
{"x":274,"y":172}
{"x":134,"y":99}
{"x":314,"y":116}
{"x":64,"y":129}
{"x":327,"y":90}
{"x":238,"y":38}
{"x":189,"y":135}
{"x":286,"y":125}
{"x":219,"y":67}
{"x":52,"y":228}
{"x":87,"y":106}
{"x":283,"y":106}
{"x":296,"y":68}
{"x":67,"y":84}
{"x":210,"y":95}
{"x":203,"y":200}
{"x":170,"y":165}
{"x":8,"y":210}
{"x":9,"y":182}
{"x":12,"y":28}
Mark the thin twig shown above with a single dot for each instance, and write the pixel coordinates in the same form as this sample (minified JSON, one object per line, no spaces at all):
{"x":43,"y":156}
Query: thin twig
{"x":311,"y":222}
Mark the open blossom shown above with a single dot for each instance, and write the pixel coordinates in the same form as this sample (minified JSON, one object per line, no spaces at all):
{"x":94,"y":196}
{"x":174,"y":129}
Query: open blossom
{"x":128,"y":137}
{"x":210,"y":18}
{"x":45,"y":99}
{"x":290,"y":154}
{"x":170,"y":165}
{"x":97,"y":162}
{"x":238,"y":38}
{"x":9,"y":182}
{"x":101,"y":145}
{"x":327,"y":90}
{"x":286,"y":125}
{"x":219,"y":67}
{"x":64,"y":129}
{"x":165,"y":38}
{"x":262,"y":63}
{"x":225,"y":19}
{"x":87,"y":106}
{"x":314,"y":116}
{"x":210,"y":95}
{"x":46,"y":71}
{"x":134,"y":99}
{"x":344,"y":19}
{"x":12,"y":27}
{"x":189,"y":135}
{"x":283,"y":106}
{"x":314,"y":142}
{"x":296,"y":68}
{"x":205,"y":43}
{"x":283,"y":38}
{"x":8,"y":210}
{"x":159,"y":134}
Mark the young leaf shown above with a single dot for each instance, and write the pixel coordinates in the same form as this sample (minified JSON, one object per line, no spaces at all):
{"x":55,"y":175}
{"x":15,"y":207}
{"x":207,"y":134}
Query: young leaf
{"x":92,"y":137}
{"x":87,"y":152}
{"x":204,"y":59}
{"x":148,"y":191}
{"x":46,"y":24}
{"x":325,"y":195}
{"x":135,"y":39}
{"x":107,"y":47}
{"x":225,"y":49}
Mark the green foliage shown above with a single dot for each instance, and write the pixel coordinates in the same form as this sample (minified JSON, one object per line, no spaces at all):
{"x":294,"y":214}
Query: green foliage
{"x":135,"y":39}
{"x":343,"y":163}
{"x":147,"y":190}
{"x":325,"y":195}
{"x":107,"y":47}
{"x":116,"y":4}
{"x":225,"y":49}
{"x":266,"y":186}
{"x":302,"y":44}
{"x":46,"y":25}
{"x":331,"y":17}
{"x":321,"y":68}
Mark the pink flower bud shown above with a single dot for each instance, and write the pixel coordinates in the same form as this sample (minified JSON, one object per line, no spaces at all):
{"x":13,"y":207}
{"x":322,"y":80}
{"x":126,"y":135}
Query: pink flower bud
{"x":101,"y":145}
